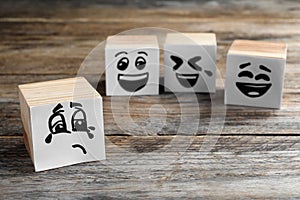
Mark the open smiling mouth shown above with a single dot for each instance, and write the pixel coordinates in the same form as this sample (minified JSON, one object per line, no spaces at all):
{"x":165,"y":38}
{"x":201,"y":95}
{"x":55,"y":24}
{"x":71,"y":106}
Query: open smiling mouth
{"x":253,"y":90}
{"x":133,"y":82}
{"x":187,"y":80}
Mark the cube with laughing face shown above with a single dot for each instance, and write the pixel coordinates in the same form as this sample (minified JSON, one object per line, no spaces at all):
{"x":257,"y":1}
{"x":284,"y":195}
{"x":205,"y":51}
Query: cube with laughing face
{"x":255,"y":73}
{"x":132,"y":65}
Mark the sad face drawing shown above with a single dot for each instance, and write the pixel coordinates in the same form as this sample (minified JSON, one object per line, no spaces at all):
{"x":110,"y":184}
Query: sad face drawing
{"x":58,"y":124}
{"x":189,"y":80}
{"x":253,"y":85}
{"x":132,"y":82}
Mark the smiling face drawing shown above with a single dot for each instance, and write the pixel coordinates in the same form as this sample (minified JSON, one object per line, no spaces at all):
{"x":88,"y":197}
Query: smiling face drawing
{"x":189,"y":80}
{"x":254,"y":89}
{"x":136,"y":81}
{"x":57,"y":124}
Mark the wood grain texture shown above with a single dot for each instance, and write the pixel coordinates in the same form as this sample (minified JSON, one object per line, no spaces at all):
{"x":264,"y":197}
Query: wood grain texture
{"x":243,"y":167}
{"x":256,"y":155}
{"x":259,"y":48}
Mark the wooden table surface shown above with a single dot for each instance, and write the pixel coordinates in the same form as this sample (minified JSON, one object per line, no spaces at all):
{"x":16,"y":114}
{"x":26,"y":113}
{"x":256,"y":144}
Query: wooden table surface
{"x":255,"y":155}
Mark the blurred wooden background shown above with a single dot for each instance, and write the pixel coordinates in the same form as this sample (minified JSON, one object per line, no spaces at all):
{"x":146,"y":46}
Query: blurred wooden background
{"x":256,"y":156}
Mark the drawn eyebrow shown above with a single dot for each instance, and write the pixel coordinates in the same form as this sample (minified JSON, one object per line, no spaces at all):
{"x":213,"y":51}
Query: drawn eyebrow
{"x":242,"y":66}
{"x":142,"y":52}
{"x":264,"y":68}
{"x":121,"y":52}
{"x":57,"y":107}
{"x":74,"y":104}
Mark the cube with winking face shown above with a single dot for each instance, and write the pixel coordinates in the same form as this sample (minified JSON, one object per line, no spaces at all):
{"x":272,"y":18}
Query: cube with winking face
{"x":190,"y":62}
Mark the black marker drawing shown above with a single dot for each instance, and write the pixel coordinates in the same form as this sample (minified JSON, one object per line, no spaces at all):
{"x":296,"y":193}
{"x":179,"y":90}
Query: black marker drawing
{"x":121,"y":52}
{"x":80,"y":147}
{"x":178,"y":62}
{"x":140,"y":63}
{"x":254,"y":90}
{"x":123,"y":64}
{"x":188,"y":80}
{"x":208,"y":73}
{"x":57,"y":123}
{"x":193,"y":63}
{"x":79,"y":120}
{"x":132,"y":82}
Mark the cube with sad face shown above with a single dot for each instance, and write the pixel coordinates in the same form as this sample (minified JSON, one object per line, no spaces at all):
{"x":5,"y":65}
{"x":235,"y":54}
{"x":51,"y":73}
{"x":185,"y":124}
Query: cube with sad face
{"x":132,"y":65}
{"x":190,"y":62}
{"x":255,"y":73}
{"x":63,"y":122}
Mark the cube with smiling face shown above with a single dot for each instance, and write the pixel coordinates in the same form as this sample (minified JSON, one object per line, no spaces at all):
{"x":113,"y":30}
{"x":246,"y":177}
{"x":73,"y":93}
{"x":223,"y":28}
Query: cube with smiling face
{"x":190,"y":62}
{"x":132,"y":65}
{"x":255,"y":73}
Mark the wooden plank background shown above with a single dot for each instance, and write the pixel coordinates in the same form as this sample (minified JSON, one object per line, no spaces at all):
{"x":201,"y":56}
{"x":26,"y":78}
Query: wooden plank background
{"x":256,"y":156}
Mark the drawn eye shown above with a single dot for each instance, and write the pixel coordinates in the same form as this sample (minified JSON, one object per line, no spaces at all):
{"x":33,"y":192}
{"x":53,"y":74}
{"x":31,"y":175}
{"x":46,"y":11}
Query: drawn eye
{"x":123,"y":63}
{"x":178,"y":62}
{"x":246,"y":74}
{"x":79,"y":122}
{"x":58,"y":125}
{"x":193,"y":63}
{"x":140,"y":63}
{"x":263,"y":77}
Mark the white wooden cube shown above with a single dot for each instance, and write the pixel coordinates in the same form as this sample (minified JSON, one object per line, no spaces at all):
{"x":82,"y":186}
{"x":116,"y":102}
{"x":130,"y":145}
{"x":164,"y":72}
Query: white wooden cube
{"x":63,"y":122}
{"x":190,"y":62}
{"x":255,"y":73}
{"x":132,"y":65}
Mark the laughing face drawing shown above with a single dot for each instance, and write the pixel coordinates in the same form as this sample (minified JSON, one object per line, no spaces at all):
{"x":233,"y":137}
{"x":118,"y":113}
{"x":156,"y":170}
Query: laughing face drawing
{"x":189,"y":80}
{"x":132,"y":82}
{"x":257,"y":85}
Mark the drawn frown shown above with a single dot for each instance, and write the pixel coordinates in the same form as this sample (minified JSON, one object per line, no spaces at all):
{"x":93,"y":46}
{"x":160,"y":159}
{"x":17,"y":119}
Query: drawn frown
{"x":57,"y":124}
